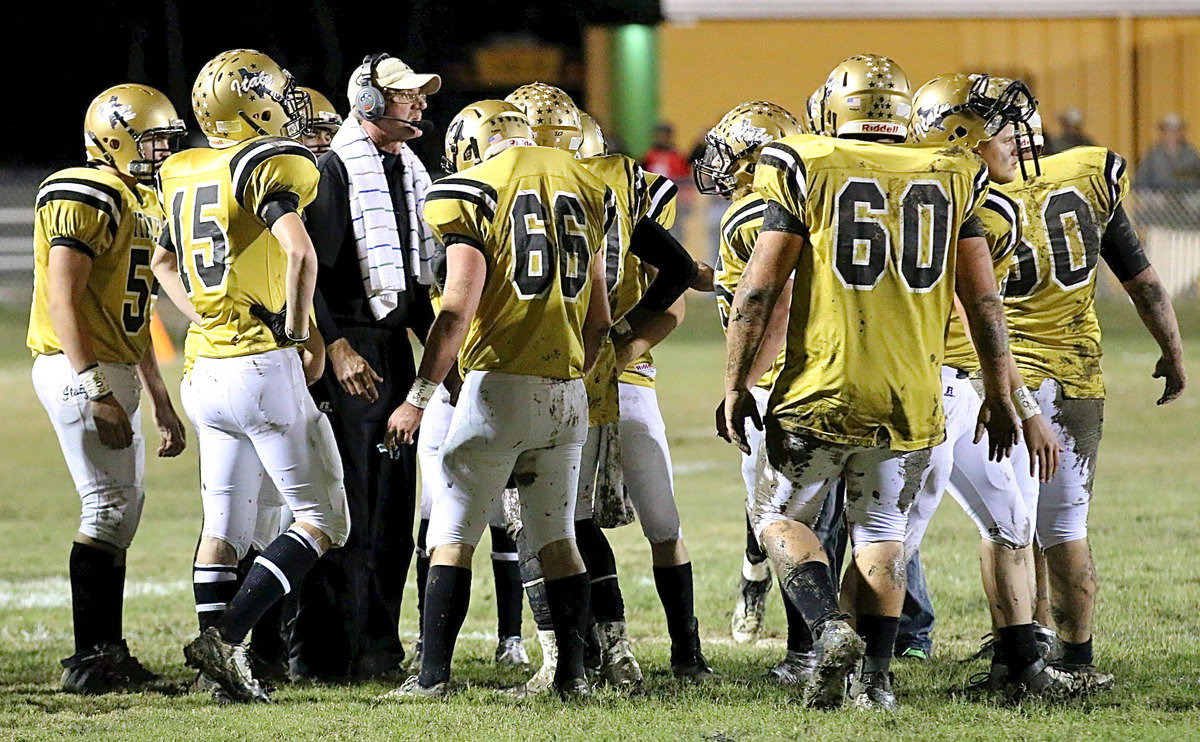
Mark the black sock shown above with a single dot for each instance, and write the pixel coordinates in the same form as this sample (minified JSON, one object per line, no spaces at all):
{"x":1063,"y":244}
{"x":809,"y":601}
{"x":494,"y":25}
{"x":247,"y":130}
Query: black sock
{"x":1077,"y":654}
{"x":799,"y":638}
{"x":675,"y":590}
{"x":607,"y":603}
{"x":569,"y":607}
{"x":879,"y":632}
{"x":447,"y":595}
{"x":1016,"y":647}
{"x":810,"y":589}
{"x":754,"y":550}
{"x":507,"y":572}
{"x":213,"y":586}
{"x":422,"y":571}
{"x":275,"y":573}
{"x":91,"y":605}
{"x":116,"y":605}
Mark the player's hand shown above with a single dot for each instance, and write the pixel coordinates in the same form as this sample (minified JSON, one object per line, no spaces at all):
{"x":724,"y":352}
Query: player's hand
{"x":402,"y":426}
{"x":1043,"y":447}
{"x":352,"y":370}
{"x":276,"y":322}
{"x":739,"y":405}
{"x":112,"y":424}
{"x":172,"y":434}
{"x":704,"y":278}
{"x":1170,"y":369}
{"x":999,"y":418}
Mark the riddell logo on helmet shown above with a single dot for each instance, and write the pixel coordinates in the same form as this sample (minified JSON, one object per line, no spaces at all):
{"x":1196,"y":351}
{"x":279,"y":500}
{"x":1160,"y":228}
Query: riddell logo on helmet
{"x":880,"y":128}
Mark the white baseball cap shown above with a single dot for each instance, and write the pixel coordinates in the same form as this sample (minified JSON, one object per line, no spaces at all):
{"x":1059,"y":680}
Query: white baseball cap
{"x":392,"y":73}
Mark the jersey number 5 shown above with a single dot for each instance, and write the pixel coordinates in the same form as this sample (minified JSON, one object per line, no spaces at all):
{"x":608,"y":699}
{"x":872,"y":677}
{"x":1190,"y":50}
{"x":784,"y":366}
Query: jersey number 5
{"x":205,"y":247}
{"x":862,"y":242}
{"x":543,"y":247}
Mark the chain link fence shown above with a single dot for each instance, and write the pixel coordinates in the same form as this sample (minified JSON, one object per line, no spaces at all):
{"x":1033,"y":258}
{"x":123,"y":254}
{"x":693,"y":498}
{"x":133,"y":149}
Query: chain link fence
{"x":1169,"y":226}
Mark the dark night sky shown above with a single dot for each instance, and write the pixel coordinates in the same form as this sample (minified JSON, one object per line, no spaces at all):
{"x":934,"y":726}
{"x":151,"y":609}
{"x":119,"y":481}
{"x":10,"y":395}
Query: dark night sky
{"x":82,"y":48}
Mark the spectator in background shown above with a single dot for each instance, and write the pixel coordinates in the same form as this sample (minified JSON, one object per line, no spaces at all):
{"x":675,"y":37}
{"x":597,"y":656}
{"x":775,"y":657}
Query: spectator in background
{"x":1071,"y":133}
{"x":1172,"y":165}
{"x":666,"y":160}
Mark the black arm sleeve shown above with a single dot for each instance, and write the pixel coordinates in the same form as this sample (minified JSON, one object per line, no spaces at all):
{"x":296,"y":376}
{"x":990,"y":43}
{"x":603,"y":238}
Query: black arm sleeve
{"x":972,"y":227}
{"x":676,"y":269}
{"x":277,"y":205}
{"x":327,"y":219}
{"x":779,"y":219}
{"x":1121,"y":248}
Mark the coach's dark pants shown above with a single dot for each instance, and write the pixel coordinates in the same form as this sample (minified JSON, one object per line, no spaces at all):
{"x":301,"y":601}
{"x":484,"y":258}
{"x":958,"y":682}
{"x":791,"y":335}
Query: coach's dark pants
{"x":346,"y":624}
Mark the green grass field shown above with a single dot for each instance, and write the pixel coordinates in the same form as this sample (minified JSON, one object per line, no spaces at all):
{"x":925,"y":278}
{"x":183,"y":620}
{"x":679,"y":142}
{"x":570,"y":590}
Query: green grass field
{"x":1144,"y":524}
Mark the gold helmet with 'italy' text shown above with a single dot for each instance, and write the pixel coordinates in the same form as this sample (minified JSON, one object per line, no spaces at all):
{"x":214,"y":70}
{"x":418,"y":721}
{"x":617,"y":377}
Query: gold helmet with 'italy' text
{"x":731,"y":147}
{"x":123,"y":121}
{"x":242,"y":93}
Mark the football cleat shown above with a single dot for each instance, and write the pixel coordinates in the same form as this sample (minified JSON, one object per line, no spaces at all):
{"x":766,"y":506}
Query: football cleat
{"x":796,"y":668}
{"x":1044,"y":682}
{"x":1089,"y":678}
{"x":511,"y":653}
{"x":983,"y":684}
{"x":542,"y":680}
{"x":134,"y":671}
{"x":839,"y":650}
{"x":873,"y":691}
{"x":205,"y":684}
{"x":688,"y":661}
{"x":227,"y":664}
{"x":750,"y":612}
{"x":574,"y":690}
{"x":412,"y":690}
{"x":913,"y":653}
{"x":94,"y":672}
{"x":1048,"y":644}
{"x":618,"y":666}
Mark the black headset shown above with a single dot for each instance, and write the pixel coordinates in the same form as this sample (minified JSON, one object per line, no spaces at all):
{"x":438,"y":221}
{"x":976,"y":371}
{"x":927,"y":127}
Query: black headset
{"x":369,"y":102}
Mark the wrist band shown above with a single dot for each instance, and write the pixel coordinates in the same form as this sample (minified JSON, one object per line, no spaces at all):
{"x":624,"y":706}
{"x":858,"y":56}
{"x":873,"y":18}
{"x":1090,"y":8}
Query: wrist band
{"x":95,"y":385}
{"x":1026,"y":405}
{"x":420,"y":393}
{"x":296,"y":340}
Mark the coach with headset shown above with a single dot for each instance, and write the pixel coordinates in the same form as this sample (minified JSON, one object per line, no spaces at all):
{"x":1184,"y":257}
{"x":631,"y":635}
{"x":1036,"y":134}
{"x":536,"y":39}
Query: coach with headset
{"x":374,"y":250}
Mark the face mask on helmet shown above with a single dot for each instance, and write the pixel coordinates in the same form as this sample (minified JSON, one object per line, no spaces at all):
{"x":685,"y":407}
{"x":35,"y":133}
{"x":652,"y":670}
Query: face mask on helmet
{"x":154,"y":146}
{"x":713,"y":173}
{"x":297,"y":107}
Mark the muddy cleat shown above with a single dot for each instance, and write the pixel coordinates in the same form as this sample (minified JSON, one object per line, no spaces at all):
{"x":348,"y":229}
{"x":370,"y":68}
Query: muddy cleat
{"x":511,"y":653}
{"x":794,"y":669}
{"x":412,"y":690}
{"x":688,"y":662}
{"x":1089,"y":678}
{"x":227,"y":664}
{"x":838,"y":651}
{"x":575,"y":690}
{"x":618,"y":666}
{"x":1048,"y":644}
{"x":542,"y":680}
{"x":750,"y":611}
{"x":990,"y":683}
{"x":1041,"y":681}
{"x":873,"y":691}
{"x":95,"y":671}
{"x":413,"y":663}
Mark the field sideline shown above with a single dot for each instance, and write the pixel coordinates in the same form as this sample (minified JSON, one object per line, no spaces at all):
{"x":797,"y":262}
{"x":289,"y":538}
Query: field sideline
{"x":1144,"y":524}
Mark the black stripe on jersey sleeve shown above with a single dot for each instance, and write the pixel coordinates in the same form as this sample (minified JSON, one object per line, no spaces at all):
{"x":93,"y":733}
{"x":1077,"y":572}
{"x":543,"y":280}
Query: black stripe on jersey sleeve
{"x":479,"y":185}
{"x":753,"y":210}
{"x":663,"y":192}
{"x":74,"y":244}
{"x":776,"y":155}
{"x":434,"y":194}
{"x":63,"y":195}
{"x":1114,"y":169}
{"x":254,"y":155}
{"x":981,"y":183}
{"x":610,"y":209}
{"x":1007,"y":208}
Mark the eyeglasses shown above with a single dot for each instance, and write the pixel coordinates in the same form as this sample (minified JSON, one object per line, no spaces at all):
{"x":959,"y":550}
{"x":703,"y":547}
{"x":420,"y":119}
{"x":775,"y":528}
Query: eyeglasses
{"x":406,"y":96}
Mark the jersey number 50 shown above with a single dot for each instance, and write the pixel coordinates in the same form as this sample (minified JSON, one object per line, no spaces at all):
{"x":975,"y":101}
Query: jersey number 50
{"x":543,"y":247}
{"x":862,"y":241}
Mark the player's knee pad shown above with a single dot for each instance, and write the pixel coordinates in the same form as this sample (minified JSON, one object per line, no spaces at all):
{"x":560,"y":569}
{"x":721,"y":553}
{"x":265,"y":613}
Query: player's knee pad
{"x":112,"y":515}
{"x":870,"y":525}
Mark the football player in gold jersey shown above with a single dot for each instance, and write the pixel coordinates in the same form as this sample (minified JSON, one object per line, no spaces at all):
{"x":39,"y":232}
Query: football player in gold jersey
{"x":727,"y":169}
{"x":1072,"y":212}
{"x":983,"y":113}
{"x":558,"y":123}
{"x":524,"y":313}
{"x":236,"y":257}
{"x":89,"y":331}
{"x":880,"y":239}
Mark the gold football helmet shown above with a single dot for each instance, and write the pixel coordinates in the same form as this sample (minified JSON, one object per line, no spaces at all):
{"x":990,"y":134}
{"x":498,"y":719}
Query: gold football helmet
{"x":593,"y":138}
{"x":813,"y":121}
{"x":323,"y":114}
{"x":475,"y":133}
{"x":731,"y":147}
{"x":242,"y":93}
{"x":125,"y":120}
{"x":552,"y":114}
{"x":867,"y":94}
